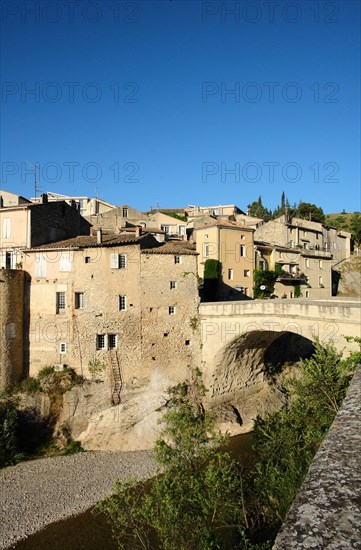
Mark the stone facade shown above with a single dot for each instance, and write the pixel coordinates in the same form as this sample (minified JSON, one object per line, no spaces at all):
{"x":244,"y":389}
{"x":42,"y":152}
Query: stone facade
{"x":233,"y":246}
{"x":11,"y":334}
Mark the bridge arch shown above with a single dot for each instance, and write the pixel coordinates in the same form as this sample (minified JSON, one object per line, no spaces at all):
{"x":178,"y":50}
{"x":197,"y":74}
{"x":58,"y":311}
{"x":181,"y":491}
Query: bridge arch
{"x":239,"y":385}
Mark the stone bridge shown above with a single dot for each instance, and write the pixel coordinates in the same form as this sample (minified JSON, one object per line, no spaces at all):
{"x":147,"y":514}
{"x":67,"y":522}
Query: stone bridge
{"x":239,"y":340}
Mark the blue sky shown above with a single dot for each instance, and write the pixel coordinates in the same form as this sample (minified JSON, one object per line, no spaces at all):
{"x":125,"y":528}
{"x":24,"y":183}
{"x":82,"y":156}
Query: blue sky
{"x":133,"y":102}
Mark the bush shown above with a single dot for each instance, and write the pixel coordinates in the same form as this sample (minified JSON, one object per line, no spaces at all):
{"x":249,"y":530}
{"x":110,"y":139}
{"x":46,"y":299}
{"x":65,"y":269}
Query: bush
{"x":9,"y":454}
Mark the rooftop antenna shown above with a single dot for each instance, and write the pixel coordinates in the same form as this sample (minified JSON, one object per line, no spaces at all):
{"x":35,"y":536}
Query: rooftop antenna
{"x":36,"y":188}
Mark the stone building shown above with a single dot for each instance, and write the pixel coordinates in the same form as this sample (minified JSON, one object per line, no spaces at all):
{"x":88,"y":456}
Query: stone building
{"x":304,"y":248}
{"x":121,"y":297}
{"x":232,"y":244}
{"x":86,"y":206}
{"x":27,"y":225}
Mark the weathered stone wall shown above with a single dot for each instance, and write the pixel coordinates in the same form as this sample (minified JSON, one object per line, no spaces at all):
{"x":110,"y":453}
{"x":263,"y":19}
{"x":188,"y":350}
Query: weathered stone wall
{"x":326,"y":512}
{"x":11,"y":326}
{"x":55,"y":221}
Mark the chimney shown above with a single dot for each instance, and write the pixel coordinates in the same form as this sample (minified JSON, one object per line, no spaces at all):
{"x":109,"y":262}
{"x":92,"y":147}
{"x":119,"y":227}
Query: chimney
{"x":138,"y":231}
{"x":99,"y":236}
{"x":44,"y":198}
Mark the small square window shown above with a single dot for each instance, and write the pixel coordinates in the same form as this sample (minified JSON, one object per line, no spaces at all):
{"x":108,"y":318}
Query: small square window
{"x":173,"y":284}
{"x":246,"y":273}
{"x":62,"y":347}
{"x":87,"y":259}
{"x":100,"y":341}
{"x":79,"y":300}
{"x":177,"y":259}
{"x":122,"y":303}
{"x":171,"y":310}
{"x":242,"y":237}
{"x":112,"y":341}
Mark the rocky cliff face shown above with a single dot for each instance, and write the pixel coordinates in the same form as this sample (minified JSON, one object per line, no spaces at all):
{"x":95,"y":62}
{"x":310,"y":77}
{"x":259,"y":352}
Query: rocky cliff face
{"x":350,"y":277}
{"x":131,"y":425}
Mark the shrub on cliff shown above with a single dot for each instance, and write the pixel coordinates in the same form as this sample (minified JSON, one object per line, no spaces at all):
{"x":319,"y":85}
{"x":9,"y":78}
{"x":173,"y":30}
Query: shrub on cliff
{"x":196,"y":502}
{"x":9,"y":453}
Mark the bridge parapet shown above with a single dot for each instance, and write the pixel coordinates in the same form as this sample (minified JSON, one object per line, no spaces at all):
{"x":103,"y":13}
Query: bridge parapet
{"x":326,"y":512}
{"x":327,"y":319}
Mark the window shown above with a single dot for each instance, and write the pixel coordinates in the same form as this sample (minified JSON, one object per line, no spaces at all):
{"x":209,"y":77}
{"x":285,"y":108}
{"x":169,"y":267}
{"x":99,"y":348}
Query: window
{"x":125,"y":212}
{"x":177,"y":259}
{"x":181,"y":230}
{"x":62,"y":347}
{"x":65,"y":261}
{"x":242,"y":250}
{"x":245,"y":291}
{"x":173,"y":284}
{"x":112,"y":341}
{"x":118,"y":261}
{"x":6,"y":228}
{"x":87,"y":259}
{"x":320,"y":264}
{"x":307,"y":293}
{"x":122,"y":303}
{"x":246,"y":273}
{"x":205,"y":250}
{"x":60,"y":302}
{"x":206,"y":237}
{"x":230,"y":274}
{"x":100,"y":341}
{"x":79,"y":300}
{"x":40,"y":265}
{"x":171,"y":310}
{"x":307,"y":262}
{"x":291,"y":294}
{"x":165,"y":228}
{"x":320,"y":281}
{"x":243,"y":237}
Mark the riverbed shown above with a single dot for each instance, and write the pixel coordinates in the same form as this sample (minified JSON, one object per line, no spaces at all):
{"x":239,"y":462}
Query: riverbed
{"x":89,"y":531}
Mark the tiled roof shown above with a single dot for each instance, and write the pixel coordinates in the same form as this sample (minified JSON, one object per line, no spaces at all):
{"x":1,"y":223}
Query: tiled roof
{"x":180,"y":248}
{"x":88,"y":241}
{"x":227,"y":224}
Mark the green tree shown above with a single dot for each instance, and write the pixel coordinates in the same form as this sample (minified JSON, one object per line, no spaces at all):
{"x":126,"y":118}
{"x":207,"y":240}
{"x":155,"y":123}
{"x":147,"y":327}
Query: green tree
{"x":212,"y":269}
{"x":355,"y":226}
{"x":286,"y":441}
{"x":309,"y":211}
{"x":257,"y":209}
{"x":8,"y":441}
{"x":196,"y":503}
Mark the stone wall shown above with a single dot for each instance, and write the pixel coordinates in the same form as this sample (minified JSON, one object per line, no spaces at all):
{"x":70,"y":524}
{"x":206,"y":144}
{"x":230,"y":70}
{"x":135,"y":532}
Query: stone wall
{"x":326,"y":512}
{"x":54,"y":221}
{"x":11,"y":330}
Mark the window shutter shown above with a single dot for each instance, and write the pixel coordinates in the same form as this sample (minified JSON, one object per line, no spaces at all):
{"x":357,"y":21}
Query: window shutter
{"x":40,"y":265}
{"x":65,"y":261}
{"x":13,"y":260}
{"x":114,"y":261}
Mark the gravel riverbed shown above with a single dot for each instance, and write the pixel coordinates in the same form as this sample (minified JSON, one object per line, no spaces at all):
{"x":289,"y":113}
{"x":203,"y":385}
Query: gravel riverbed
{"x":36,"y":493}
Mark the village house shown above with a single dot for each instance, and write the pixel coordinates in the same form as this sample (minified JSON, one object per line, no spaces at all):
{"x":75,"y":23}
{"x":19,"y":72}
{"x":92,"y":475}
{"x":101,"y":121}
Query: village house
{"x":232,"y":245}
{"x":26,"y":225}
{"x":119,"y":300}
{"x":304,"y":248}
{"x":86,"y":206}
